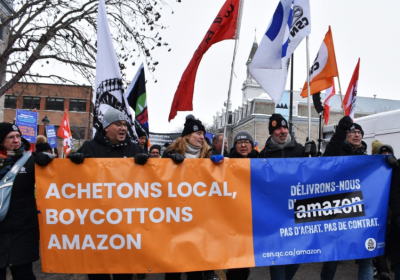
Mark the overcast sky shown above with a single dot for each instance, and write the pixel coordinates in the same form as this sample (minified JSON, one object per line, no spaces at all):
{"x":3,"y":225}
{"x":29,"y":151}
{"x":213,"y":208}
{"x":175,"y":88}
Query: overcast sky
{"x":361,"y":28}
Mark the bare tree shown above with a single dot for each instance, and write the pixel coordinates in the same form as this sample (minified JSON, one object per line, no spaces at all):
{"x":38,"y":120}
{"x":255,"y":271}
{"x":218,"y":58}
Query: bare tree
{"x":43,"y":31}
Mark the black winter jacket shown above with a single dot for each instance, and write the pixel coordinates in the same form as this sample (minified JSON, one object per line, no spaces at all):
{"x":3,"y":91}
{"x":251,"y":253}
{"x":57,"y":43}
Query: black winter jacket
{"x":100,"y":147}
{"x":252,"y":154}
{"x":19,"y":231}
{"x":291,"y":150}
{"x":339,"y":147}
{"x":393,"y":240}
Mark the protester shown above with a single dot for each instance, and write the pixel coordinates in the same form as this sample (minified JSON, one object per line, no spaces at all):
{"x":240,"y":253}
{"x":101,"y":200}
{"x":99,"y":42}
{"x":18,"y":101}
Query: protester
{"x":19,"y":231}
{"x":155,"y":151}
{"x":243,"y":146}
{"x":142,"y":141}
{"x":347,"y":141}
{"x":190,"y":145}
{"x":42,"y":145}
{"x":281,"y":145}
{"x":110,"y":142}
{"x":217,"y":144}
{"x":379,"y":262}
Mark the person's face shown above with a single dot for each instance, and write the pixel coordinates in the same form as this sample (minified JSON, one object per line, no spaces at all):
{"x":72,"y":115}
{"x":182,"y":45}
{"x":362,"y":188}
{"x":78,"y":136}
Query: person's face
{"x":117,"y":131}
{"x":218,"y":144}
{"x":243,"y":147}
{"x":354,"y":137}
{"x":12,"y":141}
{"x":142,"y":141}
{"x":195,"y":138}
{"x":154,"y":153}
{"x":280,"y":135}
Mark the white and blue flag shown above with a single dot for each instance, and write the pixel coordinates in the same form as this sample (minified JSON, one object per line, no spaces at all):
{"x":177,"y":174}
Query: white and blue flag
{"x":290,"y":24}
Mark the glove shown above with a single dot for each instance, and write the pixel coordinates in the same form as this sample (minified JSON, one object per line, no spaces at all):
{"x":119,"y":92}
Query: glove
{"x":43,"y":159}
{"x":141,"y":158}
{"x":310,"y":148}
{"x":77,"y":158}
{"x":217,"y":158}
{"x":345,"y":123}
{"x":177,"y":158}
{"x":392,"y":161}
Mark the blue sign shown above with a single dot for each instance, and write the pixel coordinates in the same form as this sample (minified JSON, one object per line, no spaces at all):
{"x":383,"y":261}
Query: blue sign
{"x":51,"y":136}
{"x":319,"y":209}
{"x":27,"y":124}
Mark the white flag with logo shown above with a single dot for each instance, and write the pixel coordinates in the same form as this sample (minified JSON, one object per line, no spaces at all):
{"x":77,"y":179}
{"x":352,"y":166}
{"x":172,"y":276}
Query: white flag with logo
{"x":108,"y":77}
{"x":273,"y":81}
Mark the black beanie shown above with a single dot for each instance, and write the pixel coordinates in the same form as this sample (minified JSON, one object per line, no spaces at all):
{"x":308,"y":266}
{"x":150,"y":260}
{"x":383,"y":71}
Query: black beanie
{"x":140,"y":132}
{"x":357,"y":126}
{"x":276,"y":121}
{"x":243,"y":135}
{"x":41,"y":147}
{"x":6,"y":128}
{"x":157,"y":147}
{"x":192,"y":125}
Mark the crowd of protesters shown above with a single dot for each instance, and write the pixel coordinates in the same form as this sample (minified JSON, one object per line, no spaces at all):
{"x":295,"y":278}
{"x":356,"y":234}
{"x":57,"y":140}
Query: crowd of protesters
{"x":19,"y":230}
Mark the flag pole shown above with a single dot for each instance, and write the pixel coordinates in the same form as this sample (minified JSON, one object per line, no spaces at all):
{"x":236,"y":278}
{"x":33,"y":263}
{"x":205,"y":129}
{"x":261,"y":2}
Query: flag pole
{"x":308,"y":89}
{"x":341,"y":96}
{"x":232,"y":69}
{"x":291,"y":97}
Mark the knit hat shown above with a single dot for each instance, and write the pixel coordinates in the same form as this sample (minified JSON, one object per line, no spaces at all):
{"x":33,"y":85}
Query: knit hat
{"x":357,"y":126}
{"x":140,"y":132}
{"x":157,"y":147}
{"x":41,"y":147}
{"x":243,"y":135}
{"x":276,"y":121}
{"x":379,"y":148}
{"x":6,"y":128}
{"x":192,"y":125}
{"x":112,"y":115}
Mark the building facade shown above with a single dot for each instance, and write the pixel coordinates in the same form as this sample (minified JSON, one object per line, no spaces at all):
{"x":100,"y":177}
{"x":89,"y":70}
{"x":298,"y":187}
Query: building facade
{"x":257,"y":107}
{"x":52,"y":100}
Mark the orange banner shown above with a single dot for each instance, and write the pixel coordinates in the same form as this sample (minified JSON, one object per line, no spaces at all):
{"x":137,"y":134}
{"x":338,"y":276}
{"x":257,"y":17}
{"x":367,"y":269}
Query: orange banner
{"x":114,"y":216}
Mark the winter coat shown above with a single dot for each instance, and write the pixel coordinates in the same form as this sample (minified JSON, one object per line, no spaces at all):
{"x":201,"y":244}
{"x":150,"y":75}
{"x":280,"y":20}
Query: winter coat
{"x":291,"y":150}
{"x":252,"y":154}
{"x":19,"y":231}
{"x":393,"y":239}
{"x":167,"y":154}
{"x":216,"y":152}
{"x":338,"y":146}
{"x":100,"y":147}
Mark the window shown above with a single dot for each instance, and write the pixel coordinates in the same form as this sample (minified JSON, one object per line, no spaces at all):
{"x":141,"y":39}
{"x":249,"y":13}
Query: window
{"x":31,"y":102}
{"x":10,"y":101}
{"x":78,"y":132}
{"x":55,"y":104}
{"x":1,"y":30}
{"x":77,"y":105}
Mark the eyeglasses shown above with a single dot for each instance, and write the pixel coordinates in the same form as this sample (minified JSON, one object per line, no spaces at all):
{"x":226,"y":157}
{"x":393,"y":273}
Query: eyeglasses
{"x":354,"y":132}
{"x":243,"y":142}
{"x":120,"y":124}
{"x":11,"y":138}
{"x":154,"y":153}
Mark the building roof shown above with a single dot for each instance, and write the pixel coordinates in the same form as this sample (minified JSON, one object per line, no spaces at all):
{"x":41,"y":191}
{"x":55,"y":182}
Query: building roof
{"x":253,"y":50}
{"x":368,"y":105}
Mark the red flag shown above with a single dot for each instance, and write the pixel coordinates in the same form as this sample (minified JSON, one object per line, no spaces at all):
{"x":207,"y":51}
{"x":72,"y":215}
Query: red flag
{"x":327,"y":103}
{"x":349,"y":102}
{"x":65,"y":132}
{"x":222,"y":28}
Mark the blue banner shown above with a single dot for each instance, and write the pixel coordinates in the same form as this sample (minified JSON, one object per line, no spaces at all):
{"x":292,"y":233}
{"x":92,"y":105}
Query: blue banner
{"x":51,"y":136}
{"x":319,"y":209}
{"x":27,"y":124}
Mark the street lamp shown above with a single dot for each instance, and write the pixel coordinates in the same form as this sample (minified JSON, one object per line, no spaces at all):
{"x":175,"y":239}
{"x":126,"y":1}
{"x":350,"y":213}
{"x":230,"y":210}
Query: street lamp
{"x":45,"y":120}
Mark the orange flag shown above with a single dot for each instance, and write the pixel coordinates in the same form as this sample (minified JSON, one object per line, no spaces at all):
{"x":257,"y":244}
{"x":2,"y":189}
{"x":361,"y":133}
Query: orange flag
{"x":65,"y":132}
{"x":349,"y":102}
{"x":324,"y":67}
{"x":222,"y":28}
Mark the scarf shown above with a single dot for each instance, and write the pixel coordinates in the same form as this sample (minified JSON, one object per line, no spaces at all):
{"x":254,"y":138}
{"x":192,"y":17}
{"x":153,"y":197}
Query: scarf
{"x":192,"y":151}
{"x":9,"y":158}
{"x":282,"y":146}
